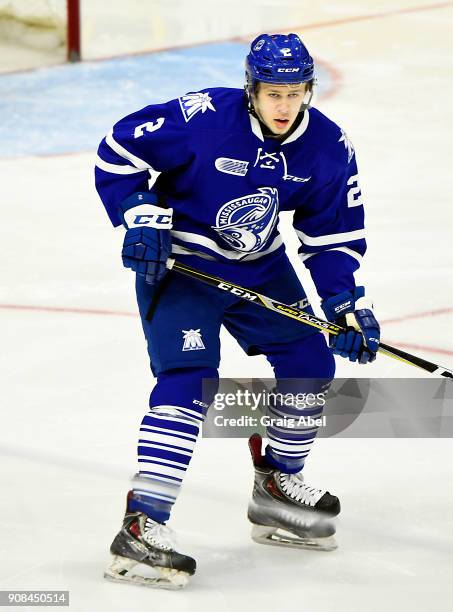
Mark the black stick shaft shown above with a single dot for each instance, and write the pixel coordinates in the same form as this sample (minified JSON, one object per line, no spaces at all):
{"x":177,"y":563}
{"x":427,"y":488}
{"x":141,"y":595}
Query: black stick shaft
{"x":304,"y":317}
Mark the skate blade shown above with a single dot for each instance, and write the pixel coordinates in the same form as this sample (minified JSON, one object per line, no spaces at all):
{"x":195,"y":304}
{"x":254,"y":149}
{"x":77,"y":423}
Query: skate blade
{"x":275,"y":536}
{"x":122,"y":569}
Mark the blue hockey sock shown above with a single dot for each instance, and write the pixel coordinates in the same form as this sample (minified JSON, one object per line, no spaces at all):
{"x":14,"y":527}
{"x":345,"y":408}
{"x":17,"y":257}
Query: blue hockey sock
{"x":168,"y":434}
{"x":305,"y":367}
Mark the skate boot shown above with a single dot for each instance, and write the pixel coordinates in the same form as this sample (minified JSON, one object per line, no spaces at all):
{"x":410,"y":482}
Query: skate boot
{"x":143,"y":553}
{"x":287,"y":512}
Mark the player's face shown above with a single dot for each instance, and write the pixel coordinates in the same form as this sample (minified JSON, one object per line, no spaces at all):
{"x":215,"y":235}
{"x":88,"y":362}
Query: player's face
{"x":278,"y":105}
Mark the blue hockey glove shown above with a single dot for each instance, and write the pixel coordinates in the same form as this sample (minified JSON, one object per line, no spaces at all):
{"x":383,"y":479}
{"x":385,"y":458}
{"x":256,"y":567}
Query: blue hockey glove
{"x":353,"y":311}
{"x":147,"y":243}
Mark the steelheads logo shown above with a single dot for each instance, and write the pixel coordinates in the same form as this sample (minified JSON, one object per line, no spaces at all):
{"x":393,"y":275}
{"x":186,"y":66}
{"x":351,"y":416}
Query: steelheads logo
{"x":246,"y":223}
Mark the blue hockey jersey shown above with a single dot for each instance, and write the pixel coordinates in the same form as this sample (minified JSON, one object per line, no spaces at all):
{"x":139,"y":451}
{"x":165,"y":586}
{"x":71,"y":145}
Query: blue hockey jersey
{"x":206,"y":157}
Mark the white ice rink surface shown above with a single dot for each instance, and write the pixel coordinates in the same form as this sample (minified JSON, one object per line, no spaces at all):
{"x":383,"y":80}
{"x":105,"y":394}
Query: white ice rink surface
{"x":75,"y":379}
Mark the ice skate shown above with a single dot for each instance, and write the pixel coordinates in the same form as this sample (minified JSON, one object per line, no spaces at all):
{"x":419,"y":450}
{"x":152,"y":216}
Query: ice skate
{"x":287,"y":512}
{"x":143,"y":553}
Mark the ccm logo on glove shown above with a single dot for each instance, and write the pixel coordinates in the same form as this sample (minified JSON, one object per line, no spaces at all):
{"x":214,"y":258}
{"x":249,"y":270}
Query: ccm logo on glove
{"x":359,"y":340}
{"x":148,"y":215}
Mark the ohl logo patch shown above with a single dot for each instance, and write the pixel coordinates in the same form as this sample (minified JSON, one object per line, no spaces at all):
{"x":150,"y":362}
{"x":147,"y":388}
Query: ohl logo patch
{"x":246,"y":223}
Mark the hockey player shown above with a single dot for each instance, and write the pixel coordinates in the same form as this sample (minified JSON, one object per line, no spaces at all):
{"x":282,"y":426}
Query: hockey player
{"x":202,"y":179}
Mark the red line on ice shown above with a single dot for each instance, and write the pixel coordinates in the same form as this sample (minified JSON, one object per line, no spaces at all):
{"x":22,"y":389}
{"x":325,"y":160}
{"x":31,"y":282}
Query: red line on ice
{"x":120,"y":313}
{"x":382,"y":15}
{"x":420,"y":347}
{"x":64,"y":309}
{"x":418,"y":315}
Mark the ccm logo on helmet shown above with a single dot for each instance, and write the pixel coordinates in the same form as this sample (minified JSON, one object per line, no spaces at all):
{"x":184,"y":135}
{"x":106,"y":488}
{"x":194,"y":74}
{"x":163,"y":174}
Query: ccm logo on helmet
{"x":288,"y":69}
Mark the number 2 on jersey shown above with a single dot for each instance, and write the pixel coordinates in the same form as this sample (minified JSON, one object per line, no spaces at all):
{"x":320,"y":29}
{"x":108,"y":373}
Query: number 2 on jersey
{"x":354,"y":193}
{"x":149,"y":126}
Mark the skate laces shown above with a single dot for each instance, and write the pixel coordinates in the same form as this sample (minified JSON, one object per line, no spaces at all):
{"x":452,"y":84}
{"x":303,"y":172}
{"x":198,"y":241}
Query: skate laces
{"x":293,"y":485}
{"x":158,"y":535}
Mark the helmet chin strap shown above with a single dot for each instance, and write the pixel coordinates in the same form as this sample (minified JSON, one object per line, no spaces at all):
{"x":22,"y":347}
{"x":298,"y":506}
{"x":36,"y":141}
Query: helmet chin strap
{"x":250,"y":107}
{"x":310,"y":96}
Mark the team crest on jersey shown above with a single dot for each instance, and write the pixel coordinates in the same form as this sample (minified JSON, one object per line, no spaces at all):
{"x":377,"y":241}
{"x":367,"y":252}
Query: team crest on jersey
{"x":246,"y":223}
{"x":347,"y":144}
{"x":193,"y":103}
{"x":192,"y":340}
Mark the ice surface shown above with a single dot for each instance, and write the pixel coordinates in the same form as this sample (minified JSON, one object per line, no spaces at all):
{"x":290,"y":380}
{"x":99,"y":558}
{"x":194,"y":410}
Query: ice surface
{"x":74,"y":366}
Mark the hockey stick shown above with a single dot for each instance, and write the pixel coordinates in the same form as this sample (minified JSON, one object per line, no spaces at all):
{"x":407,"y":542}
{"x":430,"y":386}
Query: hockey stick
{"x":304,"y":317}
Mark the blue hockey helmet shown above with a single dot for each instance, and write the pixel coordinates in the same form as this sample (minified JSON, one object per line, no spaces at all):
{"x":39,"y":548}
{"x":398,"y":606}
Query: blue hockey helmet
{"x":279,"y":59}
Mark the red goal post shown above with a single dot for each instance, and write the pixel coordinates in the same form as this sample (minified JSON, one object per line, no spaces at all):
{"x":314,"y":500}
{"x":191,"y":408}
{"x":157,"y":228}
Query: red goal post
{"x":73,"y":30}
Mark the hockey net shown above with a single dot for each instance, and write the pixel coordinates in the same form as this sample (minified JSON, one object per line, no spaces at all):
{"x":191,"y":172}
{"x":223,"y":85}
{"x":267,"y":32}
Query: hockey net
{"x":39,"y":24}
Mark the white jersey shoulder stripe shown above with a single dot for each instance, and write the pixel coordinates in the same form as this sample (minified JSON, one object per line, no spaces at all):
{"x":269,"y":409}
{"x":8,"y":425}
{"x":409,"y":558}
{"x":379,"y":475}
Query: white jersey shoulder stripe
{"x":122,"y":152}
{"x":116,"y":168}
{"x":330,"y":238}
